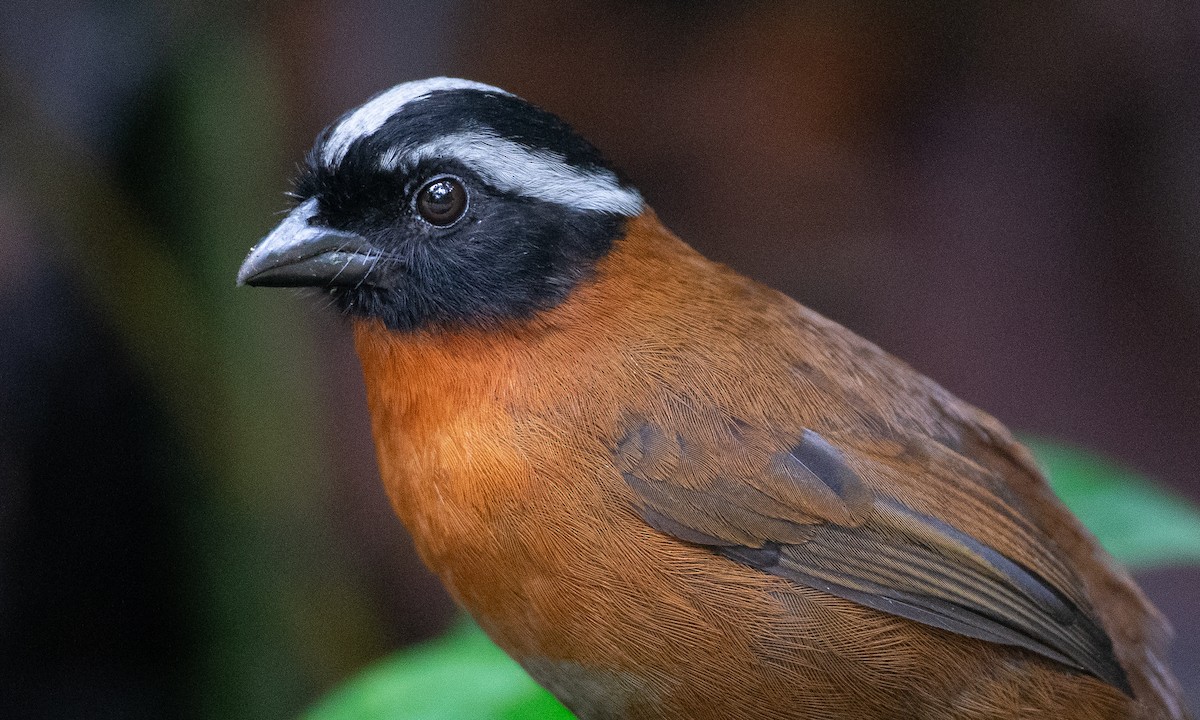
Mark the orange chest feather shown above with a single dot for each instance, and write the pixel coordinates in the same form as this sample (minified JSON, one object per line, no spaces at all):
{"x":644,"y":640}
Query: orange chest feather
{"x":472,"y":468}
{"x":495,"y":448}
{"x":444,"y":444}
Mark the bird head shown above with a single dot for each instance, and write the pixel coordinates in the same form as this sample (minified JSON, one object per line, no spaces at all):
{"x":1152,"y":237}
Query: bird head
{"x":446,"y":202}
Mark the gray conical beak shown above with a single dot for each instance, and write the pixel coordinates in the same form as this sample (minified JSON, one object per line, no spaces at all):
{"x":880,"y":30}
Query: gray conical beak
{"x":298,"y":254}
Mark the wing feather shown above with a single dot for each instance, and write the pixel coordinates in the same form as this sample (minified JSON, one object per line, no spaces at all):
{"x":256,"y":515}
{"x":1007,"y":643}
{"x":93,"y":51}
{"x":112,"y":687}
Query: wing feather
{"x":793,"y":506}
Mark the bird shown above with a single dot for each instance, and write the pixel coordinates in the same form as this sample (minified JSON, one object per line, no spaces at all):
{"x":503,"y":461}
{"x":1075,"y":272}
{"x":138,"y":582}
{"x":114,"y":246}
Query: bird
{"x":670,"y":492}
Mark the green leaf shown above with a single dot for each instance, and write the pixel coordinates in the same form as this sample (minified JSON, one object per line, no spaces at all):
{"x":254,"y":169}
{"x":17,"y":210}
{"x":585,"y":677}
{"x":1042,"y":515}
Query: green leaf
{"x":1140,"y":524}
{"x":463,"y":675}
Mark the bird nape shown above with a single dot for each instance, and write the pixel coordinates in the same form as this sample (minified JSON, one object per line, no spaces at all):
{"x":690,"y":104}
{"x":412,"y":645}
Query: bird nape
{"x":664,"y":489}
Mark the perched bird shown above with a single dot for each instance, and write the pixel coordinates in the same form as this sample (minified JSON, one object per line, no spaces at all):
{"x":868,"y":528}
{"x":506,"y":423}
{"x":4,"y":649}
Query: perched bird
{"x":666,"y":490}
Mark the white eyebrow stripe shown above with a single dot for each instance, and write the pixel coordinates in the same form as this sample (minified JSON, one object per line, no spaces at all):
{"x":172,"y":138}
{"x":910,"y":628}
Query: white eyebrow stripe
{"x":511,"y":167}
{"x":371,"y":115}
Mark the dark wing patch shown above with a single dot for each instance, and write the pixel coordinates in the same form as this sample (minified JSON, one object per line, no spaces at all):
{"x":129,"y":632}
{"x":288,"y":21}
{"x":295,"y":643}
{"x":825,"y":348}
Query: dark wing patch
{"x":815,"y":469}
{"x":807,"y":516}
{"x":824,"y":462}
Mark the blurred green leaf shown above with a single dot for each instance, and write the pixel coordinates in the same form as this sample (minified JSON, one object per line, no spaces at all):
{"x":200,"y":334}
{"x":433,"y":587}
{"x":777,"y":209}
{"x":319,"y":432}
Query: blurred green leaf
{"x":461,"y":675}
{"x":464,"y":675}
{"x":1137,"y":522}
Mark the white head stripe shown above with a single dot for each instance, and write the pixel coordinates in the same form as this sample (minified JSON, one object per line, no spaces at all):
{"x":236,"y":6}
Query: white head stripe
{"x":371,"y":115}
{"x":514,"y":168}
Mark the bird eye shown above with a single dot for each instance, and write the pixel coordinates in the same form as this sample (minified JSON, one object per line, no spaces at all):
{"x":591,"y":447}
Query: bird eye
{"x":442,"y":201}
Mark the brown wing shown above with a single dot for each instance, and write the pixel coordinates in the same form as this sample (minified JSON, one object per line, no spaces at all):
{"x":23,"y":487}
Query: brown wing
{"x":797,"y":507}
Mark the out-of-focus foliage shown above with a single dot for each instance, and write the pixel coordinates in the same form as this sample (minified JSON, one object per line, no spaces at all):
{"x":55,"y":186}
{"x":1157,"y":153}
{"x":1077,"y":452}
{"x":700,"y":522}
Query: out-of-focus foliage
{"x":276,"y":611}
{"x":463,"y":675}
{"x":1137,"y":522}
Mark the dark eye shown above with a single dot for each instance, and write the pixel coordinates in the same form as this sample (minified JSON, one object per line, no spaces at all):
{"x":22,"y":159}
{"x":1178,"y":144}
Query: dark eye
{"x":442,"y":201}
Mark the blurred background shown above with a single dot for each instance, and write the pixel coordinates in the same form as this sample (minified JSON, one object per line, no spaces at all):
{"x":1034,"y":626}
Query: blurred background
{"x":1006,"y":195}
